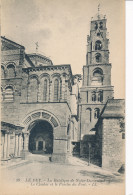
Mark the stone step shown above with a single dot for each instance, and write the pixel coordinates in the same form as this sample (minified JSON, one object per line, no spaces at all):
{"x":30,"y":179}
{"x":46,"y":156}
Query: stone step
{"x":38,"y":157}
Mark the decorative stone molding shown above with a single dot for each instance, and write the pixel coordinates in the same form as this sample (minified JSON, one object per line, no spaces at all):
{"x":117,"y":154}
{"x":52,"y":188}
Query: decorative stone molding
{"x":41,"y":115}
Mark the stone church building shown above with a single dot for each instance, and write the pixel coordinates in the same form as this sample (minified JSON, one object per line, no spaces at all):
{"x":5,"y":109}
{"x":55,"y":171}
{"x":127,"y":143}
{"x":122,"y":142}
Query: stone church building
{"x":45,"y":112}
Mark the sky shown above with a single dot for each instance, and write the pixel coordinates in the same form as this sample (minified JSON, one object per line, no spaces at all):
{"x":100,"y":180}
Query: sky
{"x":61,"y":27}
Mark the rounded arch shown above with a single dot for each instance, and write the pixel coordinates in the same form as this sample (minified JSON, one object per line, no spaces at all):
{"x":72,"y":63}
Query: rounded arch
{"x":89,"y":109}
{"x":45,"y":86}
{"x":11,"y":86}
{"x":32,"y":124}
{"x":41,"y":137}
{"x":93,"y":96}
{"x":97,"y":78}
{"x":10,"y":63}
{"x":89,"y":113}
{"x":57,"y":87}
{"x":96,"y":25}
{"x":97,"y":72}
{"x":96,"y":113}
{"x":33,"y":76}
{"x":9,"y":96}
{"x":55,"y":75}
{"x":100,"y":96}
{"x":101,"y":25}
{"x":64,"y":74}
{"x":11,"y":72}
{"x":44,"y":75}
{"x":98,"y":45}
{"x":40,"y":114}
{"x":98,"y":57}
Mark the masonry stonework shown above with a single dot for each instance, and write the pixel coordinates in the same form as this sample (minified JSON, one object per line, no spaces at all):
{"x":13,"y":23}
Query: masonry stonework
{"x":44,"y":109}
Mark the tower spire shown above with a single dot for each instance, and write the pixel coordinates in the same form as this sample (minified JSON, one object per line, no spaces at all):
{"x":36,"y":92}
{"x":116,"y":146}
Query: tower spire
{"x":99,"y":11}
{"x":36,"y":52}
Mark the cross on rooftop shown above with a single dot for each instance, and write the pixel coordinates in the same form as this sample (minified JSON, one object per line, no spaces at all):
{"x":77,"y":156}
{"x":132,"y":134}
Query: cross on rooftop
{"x":98,"y":11}
{"x":37,"y":46}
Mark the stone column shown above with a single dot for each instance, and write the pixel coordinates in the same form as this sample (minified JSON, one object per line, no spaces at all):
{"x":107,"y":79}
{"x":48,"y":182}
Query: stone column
{"x":5,"y":146}
{"x":63,"y":88}
{"x":37,"y":145}
{"x":16,"y":145}
{"x":71,"y":136}
{"x":25,"y":151}
{"x":66,"y":89}
{"x":8,"y":145}
{"x":39,"y":97}
{"x":50,"y":91}
{"x":2,"y":145}
{"x":28,"y":91}
{"x":43,"y":145}
{"x":19,"y":144}
{"x":26,"y":141}
{"x":13,"y":144}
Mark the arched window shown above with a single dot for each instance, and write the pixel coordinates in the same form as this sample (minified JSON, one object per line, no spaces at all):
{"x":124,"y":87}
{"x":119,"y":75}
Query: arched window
{"x":2,"y":72}
{"x":11,"y":70}
{"x":98,"y":45}
{"x":98,"y":72}
{"x":96,"y":113}
{"x":96,"y":26}
{"x":98,"y":57}
{"x":98,"y":34}
{"x":100,"y":96}
{"x":45,"y":89}
{"x":97,"y":77}
{"x":93,"y":96}
{"x":8,"y":94}
{"x":89,"y":113}
{"x":101,"y":25}
{"x":56,"y":90}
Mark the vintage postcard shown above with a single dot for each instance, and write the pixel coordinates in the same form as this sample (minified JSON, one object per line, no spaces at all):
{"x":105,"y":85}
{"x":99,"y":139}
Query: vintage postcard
{"x":62,"y":97}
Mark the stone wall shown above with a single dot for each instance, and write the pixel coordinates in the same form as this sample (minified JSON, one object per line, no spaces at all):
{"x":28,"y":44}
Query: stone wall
{"x":112,"y":144}
{"x":27,"y":94}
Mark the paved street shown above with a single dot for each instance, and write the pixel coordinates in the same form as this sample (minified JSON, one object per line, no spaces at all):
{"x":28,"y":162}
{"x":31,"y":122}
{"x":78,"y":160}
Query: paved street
{"x":42,"y":172}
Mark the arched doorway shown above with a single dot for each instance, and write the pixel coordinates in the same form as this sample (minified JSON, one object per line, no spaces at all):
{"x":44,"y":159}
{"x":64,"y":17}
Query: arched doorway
{"x":41,"y":137}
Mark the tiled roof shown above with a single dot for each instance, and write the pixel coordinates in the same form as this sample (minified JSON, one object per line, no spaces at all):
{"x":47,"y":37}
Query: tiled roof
{"x":12,"y":42}
{"x":114,"y":108}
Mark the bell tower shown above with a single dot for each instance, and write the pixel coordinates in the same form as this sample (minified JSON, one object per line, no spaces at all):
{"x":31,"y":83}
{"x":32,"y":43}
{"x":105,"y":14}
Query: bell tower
{"x":96,"y":88}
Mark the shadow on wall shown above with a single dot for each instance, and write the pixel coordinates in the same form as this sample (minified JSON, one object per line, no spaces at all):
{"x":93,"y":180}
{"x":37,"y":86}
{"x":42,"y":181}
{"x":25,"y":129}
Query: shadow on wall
{"x":89,"y":150}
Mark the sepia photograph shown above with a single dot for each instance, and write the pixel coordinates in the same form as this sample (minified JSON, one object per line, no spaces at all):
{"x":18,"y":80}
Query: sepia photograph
{"x":62,"y":97}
